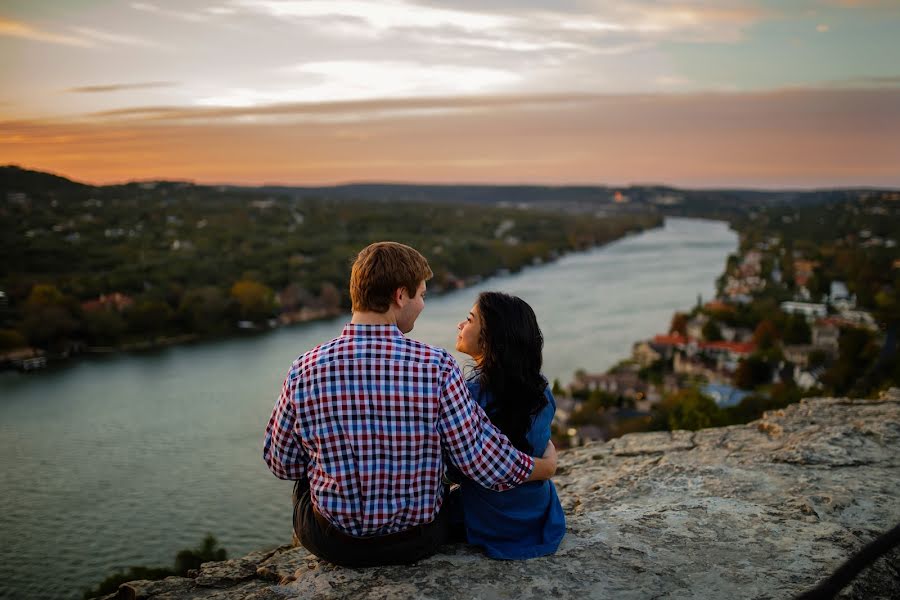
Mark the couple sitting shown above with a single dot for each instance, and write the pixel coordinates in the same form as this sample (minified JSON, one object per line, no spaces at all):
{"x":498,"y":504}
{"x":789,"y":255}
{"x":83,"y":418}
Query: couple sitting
{"x":373,"y":426}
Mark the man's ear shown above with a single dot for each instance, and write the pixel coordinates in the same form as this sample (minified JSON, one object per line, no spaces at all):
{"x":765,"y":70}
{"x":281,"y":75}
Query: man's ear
{"x":400,"y":296}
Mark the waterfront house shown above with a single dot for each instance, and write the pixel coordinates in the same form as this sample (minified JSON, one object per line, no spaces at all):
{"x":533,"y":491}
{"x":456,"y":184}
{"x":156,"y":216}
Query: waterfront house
{"x":807,"y":309}
{"x":115,"y":301}
{"x":798,"y":354}
{"x":726,"y":354}
{"x":826,"y":334}
{"x":725,"y":396}
{"x":645,"y":353}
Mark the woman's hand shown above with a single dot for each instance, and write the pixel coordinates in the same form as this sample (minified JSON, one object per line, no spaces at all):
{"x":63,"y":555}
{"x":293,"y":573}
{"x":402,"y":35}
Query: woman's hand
{"x":545,"y":466}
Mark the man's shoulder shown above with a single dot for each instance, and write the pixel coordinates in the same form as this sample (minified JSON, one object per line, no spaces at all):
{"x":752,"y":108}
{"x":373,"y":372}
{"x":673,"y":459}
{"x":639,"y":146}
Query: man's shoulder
{"x":395,"y":348}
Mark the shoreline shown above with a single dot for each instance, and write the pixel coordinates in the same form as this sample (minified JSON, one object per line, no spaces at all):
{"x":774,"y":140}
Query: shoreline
{"x":27,"y":361}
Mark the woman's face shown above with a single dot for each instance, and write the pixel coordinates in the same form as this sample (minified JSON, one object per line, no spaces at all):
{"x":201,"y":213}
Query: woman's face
{"x":468,"y":340}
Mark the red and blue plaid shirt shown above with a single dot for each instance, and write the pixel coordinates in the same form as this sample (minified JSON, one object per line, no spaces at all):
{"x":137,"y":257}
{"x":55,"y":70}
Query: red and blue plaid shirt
{"x":370,"y":418}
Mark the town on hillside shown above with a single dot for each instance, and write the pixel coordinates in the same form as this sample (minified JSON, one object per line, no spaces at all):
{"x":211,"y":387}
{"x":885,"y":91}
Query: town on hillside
{"x":807,"y":307}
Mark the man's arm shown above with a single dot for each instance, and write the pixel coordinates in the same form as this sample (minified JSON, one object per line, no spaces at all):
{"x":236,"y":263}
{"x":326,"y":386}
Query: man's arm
{"x":475,"y":446}
{"x":282,"y":450}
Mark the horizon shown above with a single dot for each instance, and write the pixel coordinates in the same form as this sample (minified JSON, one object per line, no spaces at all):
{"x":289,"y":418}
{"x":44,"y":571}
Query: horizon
{"x":461,"y":184}
{"x":740,"y":94}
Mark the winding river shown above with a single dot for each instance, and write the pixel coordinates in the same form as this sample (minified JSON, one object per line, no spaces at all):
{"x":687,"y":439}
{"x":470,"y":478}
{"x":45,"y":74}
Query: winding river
{"x":127,"y":459}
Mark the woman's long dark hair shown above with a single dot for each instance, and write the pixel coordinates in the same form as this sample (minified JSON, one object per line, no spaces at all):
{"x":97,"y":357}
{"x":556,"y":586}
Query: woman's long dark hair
{"x":510,"y":367}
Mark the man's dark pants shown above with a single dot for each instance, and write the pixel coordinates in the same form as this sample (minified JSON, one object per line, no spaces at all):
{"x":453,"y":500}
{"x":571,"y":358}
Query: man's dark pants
{"x":326,"y":541}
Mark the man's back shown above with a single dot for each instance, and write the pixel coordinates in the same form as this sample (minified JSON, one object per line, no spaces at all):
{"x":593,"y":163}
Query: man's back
{"x":367,"y":416}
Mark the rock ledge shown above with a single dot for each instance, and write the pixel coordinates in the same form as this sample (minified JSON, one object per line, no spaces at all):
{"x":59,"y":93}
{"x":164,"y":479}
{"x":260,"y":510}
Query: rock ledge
{"x":763,"y":510}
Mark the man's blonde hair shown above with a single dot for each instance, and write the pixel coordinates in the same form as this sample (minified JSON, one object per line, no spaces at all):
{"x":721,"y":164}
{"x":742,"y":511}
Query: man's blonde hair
{"x":380,"y":269}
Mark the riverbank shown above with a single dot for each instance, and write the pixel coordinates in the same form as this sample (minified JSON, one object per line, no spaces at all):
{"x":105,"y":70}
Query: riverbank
{"x":36,"y":359}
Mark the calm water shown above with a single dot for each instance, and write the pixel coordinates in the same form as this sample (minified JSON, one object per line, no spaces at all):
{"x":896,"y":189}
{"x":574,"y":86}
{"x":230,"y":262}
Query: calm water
{"x":126,"y":460}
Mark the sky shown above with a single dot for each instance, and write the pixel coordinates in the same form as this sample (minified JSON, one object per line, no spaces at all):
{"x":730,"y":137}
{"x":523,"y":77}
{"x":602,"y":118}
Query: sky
{"x":700,"y":94}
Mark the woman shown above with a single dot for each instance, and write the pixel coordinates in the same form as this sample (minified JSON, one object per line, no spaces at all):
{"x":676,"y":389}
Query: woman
{"x":502,"y":336}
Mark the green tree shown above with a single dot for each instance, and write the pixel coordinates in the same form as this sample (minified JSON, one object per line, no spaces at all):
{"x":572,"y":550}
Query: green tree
{"x":10,"y":339}
{"x":686,"y":409}
{"x":711,"y":331}
{"x":256,"y":301}
{"x":752,"y":372}
{"x":203,"y":310}
{"x":103,"y":327}
{"x":48,"y":317}
{"x":148,"y":316}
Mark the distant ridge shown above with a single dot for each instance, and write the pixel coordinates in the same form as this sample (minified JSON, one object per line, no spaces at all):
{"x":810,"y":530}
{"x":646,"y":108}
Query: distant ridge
{"x":16,"y":179}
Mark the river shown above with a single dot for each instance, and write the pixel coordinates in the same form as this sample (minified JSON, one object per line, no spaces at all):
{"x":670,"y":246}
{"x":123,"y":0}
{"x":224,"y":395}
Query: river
{"x":124,"y":460}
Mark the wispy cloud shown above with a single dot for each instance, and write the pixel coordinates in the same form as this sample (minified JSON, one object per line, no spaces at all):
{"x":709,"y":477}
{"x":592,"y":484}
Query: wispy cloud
{"x":84,"y":37}
{"x":193,"y":17}
{"x":118,"y":87}
{"x":100,"y":37}
{"x":25,"y":31}
{"x":381,"y":15}
{"x":373,"y":108}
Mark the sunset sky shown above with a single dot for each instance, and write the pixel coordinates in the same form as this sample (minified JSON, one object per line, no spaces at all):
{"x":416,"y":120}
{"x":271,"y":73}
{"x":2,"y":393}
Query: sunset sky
{"x":739,"y":93}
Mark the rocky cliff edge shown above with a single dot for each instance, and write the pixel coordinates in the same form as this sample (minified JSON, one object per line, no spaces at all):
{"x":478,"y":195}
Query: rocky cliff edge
{"x":763,"y":510}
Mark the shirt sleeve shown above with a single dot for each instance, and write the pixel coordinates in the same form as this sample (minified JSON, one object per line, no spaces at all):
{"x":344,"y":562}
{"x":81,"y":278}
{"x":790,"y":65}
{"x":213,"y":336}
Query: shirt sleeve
{"x":471,"y":441}
{"x":282,"y":450}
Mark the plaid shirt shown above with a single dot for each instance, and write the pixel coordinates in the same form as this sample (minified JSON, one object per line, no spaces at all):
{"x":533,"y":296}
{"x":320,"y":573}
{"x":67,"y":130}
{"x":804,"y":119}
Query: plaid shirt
{"x":369,"y":417}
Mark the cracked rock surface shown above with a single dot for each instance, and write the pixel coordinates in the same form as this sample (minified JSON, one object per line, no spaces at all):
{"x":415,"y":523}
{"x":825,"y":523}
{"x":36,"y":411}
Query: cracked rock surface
{"x":758,"y":511}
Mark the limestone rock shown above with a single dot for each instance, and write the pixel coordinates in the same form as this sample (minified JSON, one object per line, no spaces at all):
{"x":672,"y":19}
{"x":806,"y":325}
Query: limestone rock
{"x":756,"y":511}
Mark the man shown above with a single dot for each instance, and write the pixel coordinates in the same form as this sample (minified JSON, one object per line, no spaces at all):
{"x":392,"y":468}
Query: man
{"x":365,"y":422}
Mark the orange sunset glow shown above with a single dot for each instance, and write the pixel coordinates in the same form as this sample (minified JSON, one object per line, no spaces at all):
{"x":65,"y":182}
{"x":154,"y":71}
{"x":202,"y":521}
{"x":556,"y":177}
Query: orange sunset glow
{"x":308,"y":93}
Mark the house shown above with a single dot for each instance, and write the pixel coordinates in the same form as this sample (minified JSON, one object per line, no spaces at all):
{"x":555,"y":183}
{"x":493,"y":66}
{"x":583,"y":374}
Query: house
{"x":803,"y":270}
{"x":666,"y":345}
{"x":839,"y":296}
{"x":727,"y":354}
{"x":807,"y":309}
{"x":825,"y":335}
{"x":735,"y":334}
{"x":859,"y":318}
{"x":798,"y":354}
{"x":808,"y":378}
{"x":695,"y":326}
{"x":115,"y":301}
{"x":725,"y":396}
{"x":684,"y":365}
{"x":645,"y":354}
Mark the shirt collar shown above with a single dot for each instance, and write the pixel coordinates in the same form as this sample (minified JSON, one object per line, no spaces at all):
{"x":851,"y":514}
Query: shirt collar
{"x":371,"y":331}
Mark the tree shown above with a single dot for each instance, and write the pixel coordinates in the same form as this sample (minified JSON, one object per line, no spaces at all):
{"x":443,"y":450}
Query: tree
{"x":255,"y":300}
{"x":148,"y":317}
{"x":203,"y":310}
{"x":711,"y":331}
{"x":796,"y":330}
{"x":686,"y":409}
{"x":679,"y":324}
{"x":48,"y":316}
{"x":10,"y":339}
{"x":765,"y":335}
{"x":752,"y":372}
{"x":103,"y":327}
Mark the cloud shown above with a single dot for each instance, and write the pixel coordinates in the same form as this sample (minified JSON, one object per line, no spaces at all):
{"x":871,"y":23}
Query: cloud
{"x":380,"y":15}
{"x":193,"y":17}
{"x":792,"y":138}
{"x":23,"y":30}
{"x":84,"y":37}
{"x":357,"y":109}
{"x":106,"y":38}
{"x":117,"y":87}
